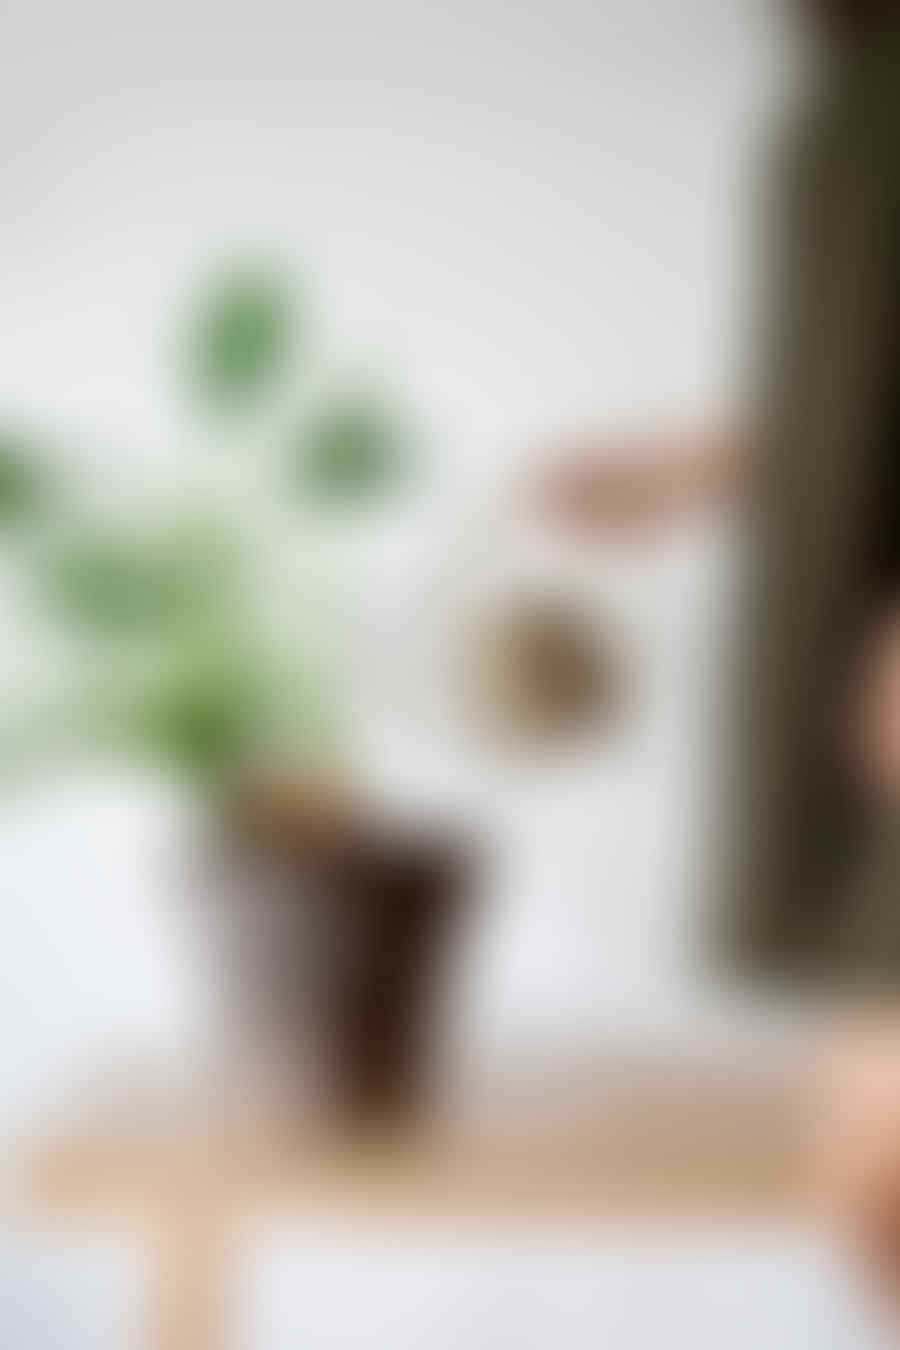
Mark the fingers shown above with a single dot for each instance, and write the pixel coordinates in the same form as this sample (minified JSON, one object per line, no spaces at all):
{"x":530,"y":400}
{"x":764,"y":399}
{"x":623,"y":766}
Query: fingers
{"x":858,"y":1155}
{"x":875,"y":714}
{"x":591,"y":494}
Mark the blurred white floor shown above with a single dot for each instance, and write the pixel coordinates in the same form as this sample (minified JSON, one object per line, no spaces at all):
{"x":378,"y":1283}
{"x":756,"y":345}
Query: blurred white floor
{"x":70,"y":1290}
{"x":325,"y":1285}
{"x":638,"y":1287}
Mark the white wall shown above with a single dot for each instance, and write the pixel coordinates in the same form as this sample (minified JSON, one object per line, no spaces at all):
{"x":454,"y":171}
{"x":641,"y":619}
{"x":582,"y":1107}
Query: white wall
{"x":528,"y":207}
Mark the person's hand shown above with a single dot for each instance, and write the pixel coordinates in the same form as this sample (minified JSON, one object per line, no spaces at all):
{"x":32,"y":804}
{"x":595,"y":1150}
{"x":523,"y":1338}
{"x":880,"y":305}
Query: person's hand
{"x":641,"y":485}
{"x":875,"y":713}
{"x":859,"y":1154}
{"x":618,"y":493}
{"x":860,"y":1117}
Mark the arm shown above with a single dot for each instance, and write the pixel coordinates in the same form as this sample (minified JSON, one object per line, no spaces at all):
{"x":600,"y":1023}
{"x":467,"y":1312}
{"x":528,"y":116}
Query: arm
{"x":643,"y":482}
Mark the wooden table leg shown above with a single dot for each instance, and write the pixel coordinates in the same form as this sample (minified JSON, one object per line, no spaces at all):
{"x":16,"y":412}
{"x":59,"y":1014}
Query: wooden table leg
{"x":189,"y":1308}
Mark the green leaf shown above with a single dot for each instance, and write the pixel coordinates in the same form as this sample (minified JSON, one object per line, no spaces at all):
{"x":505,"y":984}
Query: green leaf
{"x":114,"y":585}
{"x":354,"y":450}
{"x":241,"y":339}
{"x":24,"y":483}
{"x":104,"y":584}
{"x":205,"y":713}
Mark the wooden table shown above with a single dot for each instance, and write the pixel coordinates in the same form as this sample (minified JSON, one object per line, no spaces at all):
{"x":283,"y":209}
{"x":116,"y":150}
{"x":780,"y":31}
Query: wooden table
{"x":191,"y":1190}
